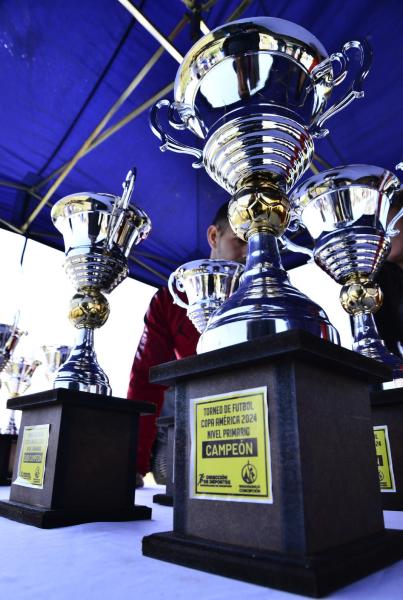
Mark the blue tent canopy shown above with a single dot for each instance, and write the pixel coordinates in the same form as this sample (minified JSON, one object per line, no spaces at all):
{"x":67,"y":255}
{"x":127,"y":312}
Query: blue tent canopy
{"x":65,"y":64}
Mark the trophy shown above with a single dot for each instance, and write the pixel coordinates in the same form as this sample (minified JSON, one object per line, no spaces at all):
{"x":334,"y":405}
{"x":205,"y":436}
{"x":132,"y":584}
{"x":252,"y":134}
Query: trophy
{"x":99,"y":231}
{"x":9,"y":337}
{"x":85,"y":463}
{"x":345,"y":210}
{"x":55,"y":357}
{"x":269,"y":434}
{"x":19,"y":373}
{"x":255,"y":92}
{"x":207,"y":283}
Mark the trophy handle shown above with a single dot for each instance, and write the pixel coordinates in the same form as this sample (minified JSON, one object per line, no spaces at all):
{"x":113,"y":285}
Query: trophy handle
{"x":354,"y":91}
{"x":168,"y":142}
{"x":171,"y":286}
{"x":296,"y":247}
{"x":391,"y":231}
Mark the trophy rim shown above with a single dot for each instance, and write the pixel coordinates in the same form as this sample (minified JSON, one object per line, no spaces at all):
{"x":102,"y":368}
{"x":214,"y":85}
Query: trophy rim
{"x":15,"y":364}
{"x":82,"y":202}
{"x":194,"y":267}
{"x":9,"y":326}
{"x":349,"y":176}
{"x":208,"y":52}
{"x":54,"y":349}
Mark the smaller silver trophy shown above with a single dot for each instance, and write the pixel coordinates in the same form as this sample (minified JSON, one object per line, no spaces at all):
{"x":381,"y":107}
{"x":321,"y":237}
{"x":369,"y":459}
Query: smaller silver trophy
{"x":55,"y":357}
{"x":99,"y":231}
{"x":345,"y":211}
{"x":19,"y":379}
{"x":206,"y":283}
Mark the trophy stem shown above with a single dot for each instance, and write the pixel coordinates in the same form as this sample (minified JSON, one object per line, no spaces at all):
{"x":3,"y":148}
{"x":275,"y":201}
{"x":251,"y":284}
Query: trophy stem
{"x":264,"y":303}
{"x":368,"y":342}
{"x":11,"y":428}
{"x":361,"y":298}
{"x":81,"y":371}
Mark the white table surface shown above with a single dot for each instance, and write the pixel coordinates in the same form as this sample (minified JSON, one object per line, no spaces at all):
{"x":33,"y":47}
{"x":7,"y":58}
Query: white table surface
{"x":100,"y":561}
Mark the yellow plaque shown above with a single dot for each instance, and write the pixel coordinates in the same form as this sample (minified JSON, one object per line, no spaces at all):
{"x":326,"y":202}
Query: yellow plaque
{"x":230,"y":447}
{"x":384,"y":459}
{"x":32,"y":459}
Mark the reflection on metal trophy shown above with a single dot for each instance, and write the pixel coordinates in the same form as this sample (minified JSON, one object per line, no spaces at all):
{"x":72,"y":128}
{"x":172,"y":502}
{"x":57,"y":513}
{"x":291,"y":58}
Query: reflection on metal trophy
{"x":207,"y":283}
{"x":255,"y":91}
{"x":99,"y":231}
{"x":345,"y":211}
{"x":9,"y":337}
{"x":19,"y":373}
{"x":55,"y":357}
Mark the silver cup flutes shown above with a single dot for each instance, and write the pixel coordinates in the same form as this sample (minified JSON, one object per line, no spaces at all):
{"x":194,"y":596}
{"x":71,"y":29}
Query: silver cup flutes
{"x":20,"y":372}
{"x":55,"y":357}
{"x":207,"y":283}
{"x":255,"y":93}
{"x":345,"y":211}
{"x":99,"y":231}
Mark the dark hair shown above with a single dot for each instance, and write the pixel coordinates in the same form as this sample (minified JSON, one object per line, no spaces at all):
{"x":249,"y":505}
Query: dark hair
{"x":221,"y":217}
{"x":397,"y":199}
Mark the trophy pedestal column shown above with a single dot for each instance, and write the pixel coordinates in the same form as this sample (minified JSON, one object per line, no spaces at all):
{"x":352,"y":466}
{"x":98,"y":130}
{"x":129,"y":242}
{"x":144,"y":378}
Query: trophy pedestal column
{"x":167,"y":499}
{"x":306,"y":516}
{"x":8,"y":442}
{"x":86,"y":470}
{"x":387,"y":419}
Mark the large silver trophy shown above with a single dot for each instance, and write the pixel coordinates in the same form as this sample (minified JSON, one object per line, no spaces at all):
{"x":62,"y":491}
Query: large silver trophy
{"x":345,"y":211}
{"x":255,"y":93}
{"x":20,"y":372}
{"x":99,"y":231}
{"x":207,"y":283}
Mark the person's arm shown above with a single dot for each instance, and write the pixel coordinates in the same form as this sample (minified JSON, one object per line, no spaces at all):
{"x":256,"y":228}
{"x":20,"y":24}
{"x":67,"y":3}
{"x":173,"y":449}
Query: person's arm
{"x":156,"y":346}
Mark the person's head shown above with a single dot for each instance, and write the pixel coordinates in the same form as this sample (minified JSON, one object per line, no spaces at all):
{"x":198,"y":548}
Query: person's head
{"x":396,"y":251}
{"x":223,"y":242}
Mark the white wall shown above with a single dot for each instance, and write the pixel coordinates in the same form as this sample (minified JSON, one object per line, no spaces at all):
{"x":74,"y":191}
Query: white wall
{"x":321,"y":288}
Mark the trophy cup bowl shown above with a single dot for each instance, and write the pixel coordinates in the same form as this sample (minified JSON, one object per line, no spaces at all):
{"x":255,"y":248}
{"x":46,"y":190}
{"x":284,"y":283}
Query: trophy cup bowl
{"x":255,"y":92}
{"x":345,"y":210}
{"x":99,"y":231}
{"x":55,"y":357}
{"x":207,"y":283}
{"x":20,"y":372}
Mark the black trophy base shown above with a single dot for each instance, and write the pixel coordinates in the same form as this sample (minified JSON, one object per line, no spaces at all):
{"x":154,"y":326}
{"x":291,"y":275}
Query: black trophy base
{"x":8,"y":442}
{"x":90,"y":462}
{"x":46,"y":518}
{"x":314,"y":576}
{"x":164,"y":499}
{"x":387,"y":410}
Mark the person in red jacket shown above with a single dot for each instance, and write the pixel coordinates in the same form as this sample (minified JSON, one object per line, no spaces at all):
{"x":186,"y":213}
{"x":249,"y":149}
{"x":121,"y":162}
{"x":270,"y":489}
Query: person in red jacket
{"x":389,"y":318}
{"x":168,"y":335}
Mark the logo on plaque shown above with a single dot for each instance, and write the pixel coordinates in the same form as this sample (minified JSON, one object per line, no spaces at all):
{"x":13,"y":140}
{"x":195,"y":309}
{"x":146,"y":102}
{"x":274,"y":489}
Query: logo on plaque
{"x":230,"y":447}
{"x":384,"y":459}
{"x":249,"y":473}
